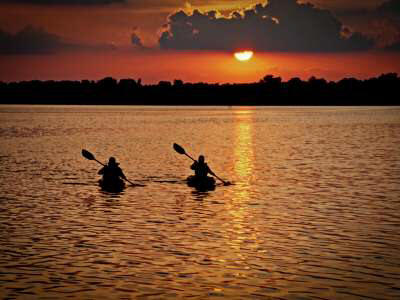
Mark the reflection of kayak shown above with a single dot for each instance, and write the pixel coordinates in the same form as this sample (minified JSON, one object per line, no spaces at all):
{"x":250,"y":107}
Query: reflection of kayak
{"x":112,"y":186}
{"x":201,"y":183}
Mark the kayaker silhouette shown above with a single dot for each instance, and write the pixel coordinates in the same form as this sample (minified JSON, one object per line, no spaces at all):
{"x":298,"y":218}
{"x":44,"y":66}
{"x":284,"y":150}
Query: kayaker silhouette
{"x":201,"y":169}
{"x":200,"y":180}
{"x":112,"y":175}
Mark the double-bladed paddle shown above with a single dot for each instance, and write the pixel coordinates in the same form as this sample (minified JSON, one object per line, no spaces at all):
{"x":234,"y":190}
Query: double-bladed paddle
{"x":88,"y":155}
{"x":180,"y":150}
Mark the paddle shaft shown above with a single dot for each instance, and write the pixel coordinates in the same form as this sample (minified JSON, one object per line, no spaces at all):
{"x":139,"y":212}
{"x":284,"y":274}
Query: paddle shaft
{"x":190,"y":157}
{"x":99,"y":162}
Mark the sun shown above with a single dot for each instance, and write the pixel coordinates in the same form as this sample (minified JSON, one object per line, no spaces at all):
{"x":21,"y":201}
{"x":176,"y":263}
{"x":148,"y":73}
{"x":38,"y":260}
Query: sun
{"x":244,"y":55}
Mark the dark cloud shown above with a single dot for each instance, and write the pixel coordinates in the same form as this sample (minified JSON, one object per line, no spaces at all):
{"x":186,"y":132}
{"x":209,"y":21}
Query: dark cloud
{"x":136,"y":40}
{"x":32,"y":40}
{"x":386,"y":22}
{"x":63,"y":2}
{"x":393,"y":47}
{"x":279,"y":25}
{"x":380,"y":22}
{"x":139,"y":4}
{"x":29,"y":40}
{"x":390,"y":7}
{"x":136,"y":4}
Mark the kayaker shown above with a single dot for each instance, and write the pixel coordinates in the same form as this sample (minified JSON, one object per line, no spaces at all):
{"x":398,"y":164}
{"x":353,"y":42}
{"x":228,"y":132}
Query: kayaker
{"x":201,"y":169}
{"x":112,"y":172}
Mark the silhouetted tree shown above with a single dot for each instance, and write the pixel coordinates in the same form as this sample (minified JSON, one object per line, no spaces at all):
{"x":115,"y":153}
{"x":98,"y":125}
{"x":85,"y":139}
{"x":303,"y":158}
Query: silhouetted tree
{"x":270,"y":90}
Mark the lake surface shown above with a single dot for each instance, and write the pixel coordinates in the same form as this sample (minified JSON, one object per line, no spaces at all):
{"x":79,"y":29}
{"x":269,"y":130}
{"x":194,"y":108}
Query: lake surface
{"x":314,"y":212}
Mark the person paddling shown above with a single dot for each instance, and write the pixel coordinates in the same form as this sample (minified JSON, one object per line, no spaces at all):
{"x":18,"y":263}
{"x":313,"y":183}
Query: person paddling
{"x":201,"y":169}
{"x":112,"y":172}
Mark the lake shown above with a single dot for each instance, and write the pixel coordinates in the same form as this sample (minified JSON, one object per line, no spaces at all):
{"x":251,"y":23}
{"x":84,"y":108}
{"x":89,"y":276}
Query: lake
{"x":313,"y":212}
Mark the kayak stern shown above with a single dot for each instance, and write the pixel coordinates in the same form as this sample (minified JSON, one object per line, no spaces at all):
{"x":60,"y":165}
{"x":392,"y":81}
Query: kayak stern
{"x":201,"y":184}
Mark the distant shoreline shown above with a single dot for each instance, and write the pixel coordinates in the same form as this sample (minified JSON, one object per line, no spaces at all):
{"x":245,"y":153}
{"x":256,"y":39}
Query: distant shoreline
{"x":269,"y":91}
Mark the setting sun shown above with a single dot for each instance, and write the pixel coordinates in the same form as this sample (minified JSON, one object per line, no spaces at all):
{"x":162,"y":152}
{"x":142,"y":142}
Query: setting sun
{"x":244,"y":55}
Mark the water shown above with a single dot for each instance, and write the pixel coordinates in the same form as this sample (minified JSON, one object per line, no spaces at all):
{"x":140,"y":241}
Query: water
{"x":314,"y":212}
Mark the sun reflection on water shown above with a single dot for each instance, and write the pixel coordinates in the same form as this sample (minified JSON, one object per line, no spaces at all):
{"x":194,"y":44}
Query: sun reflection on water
{"x":243,"y":151}
{"x":242,"y":233}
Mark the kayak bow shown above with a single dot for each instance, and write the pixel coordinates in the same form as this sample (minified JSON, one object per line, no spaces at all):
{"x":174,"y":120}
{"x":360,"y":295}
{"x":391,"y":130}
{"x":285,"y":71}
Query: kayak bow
{"x":112,"y":187}
{"x":200,"y":183}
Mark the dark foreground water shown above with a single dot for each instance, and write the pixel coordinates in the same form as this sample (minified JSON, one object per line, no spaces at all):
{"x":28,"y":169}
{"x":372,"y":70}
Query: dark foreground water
{"x":314,"y":212}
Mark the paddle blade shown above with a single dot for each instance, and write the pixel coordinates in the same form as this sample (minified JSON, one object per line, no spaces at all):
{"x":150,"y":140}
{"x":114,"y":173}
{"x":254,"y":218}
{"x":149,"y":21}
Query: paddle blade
{"x":179,"y":149}
{"x":86,"y":154}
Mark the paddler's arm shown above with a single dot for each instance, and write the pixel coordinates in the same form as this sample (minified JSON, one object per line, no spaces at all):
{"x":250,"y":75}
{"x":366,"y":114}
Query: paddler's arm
{"x":121,"y":174}
{"x":210,"y":171}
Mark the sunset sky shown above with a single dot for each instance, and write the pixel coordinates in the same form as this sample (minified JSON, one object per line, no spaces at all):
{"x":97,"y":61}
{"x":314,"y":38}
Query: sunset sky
{"x":195,"y":40}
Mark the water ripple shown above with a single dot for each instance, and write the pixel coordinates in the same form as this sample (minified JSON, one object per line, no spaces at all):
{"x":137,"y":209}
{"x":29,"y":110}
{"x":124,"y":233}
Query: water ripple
{"x":313,"y":213}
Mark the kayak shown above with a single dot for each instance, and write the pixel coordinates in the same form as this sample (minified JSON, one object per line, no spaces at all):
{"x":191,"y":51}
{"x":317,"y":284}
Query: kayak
{"x":112,"y":186}
{"x":201,"y":183}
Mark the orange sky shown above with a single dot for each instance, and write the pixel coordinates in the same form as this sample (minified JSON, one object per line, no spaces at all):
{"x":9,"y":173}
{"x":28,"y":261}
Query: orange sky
{"x":113,"y":25}
{"x":154,"y":66}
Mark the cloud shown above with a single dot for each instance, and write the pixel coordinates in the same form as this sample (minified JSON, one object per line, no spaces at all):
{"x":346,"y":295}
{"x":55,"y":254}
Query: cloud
{"x":29,"y":40}
{"x":279,"y":25}
{"x":390,"y":7}
{"x":32,"y":40}
{"x":140,"y":4}
{"x":394,"y":47}
{"x":380,"y":22}
{"x":63,"y":2}
{"x":135,"y":4}
{"x":386,"y":24}
{"x":135,"y":39}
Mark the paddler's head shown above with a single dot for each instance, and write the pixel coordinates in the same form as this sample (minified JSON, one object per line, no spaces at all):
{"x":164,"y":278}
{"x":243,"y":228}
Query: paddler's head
{"x":201,"y":159}
{"x":112,"y":161}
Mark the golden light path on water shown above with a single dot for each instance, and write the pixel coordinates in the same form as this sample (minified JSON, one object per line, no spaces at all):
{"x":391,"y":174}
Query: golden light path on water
{"x":240,"y":236}
{"x":312,"y":213}
{"x":244,"y":154}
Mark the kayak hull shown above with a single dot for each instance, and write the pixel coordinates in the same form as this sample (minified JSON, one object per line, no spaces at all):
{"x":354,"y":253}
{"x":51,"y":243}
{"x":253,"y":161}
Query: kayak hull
{"x":201,"y":184}
{"x":112,"y":187}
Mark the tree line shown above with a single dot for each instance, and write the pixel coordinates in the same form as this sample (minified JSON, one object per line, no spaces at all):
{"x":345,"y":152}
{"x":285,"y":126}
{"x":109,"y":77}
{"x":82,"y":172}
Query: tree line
{"x":270,"y":90}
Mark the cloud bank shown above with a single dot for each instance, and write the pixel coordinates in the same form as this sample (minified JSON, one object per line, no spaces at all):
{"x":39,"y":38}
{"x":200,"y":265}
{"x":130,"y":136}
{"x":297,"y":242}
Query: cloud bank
{"x":32,"y":40}
{"x":386,"y":22}
{"x":279,"y":25}
{"x":63,"y":2}
{"x":29,"y":40}
{"x":390,"y":7}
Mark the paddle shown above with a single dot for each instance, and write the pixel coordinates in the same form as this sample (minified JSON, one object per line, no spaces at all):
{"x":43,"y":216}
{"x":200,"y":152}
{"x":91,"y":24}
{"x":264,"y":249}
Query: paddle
{"x":86,"y":154}
{"x":180,"y":150}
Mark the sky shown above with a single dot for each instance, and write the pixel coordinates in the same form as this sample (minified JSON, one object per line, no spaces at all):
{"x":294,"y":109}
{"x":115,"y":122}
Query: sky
{"x":195,"y":40}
